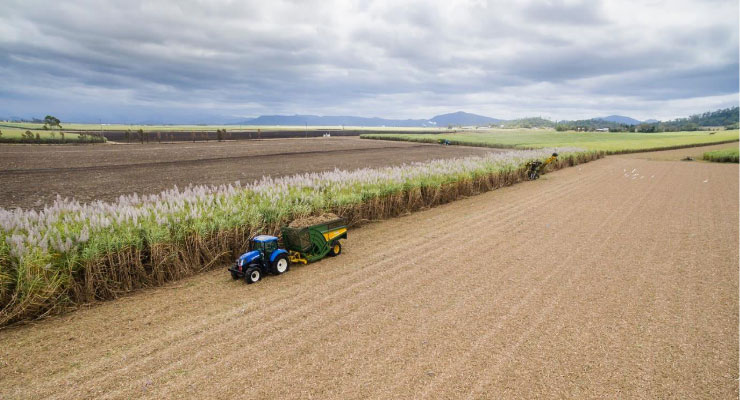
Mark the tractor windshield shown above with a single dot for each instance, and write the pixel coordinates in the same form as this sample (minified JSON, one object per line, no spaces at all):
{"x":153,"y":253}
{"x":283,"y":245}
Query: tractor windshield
{"x":270,"y":247}
{"x":255,"y":245}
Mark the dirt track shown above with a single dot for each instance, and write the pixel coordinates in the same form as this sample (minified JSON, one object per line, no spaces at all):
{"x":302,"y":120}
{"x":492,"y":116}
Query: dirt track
{"x":33,"y":175}
{"x":615,"y":279}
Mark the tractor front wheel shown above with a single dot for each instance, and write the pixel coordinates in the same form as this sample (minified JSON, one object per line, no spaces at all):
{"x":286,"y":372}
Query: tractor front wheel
{"x":253,"y":275}
{"x":234,"y":275}
{"x":336,"y":249}
{"x":280,"y":265}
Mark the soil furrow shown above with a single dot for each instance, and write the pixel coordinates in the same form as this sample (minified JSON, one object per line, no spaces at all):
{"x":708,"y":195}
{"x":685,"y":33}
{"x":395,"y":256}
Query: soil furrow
{"x":412,"y":284}
{"x":271,"y":318}
{"x":463,"y":361}
{"x":617,"y":278}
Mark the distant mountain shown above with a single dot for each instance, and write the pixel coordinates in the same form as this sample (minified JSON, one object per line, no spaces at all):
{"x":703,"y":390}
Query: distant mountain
{"x":314,"y":120}
{"x":619,"y":119}
{"x":15,"y":118}
{"x":463,"y":119}
{"x":722,"y":117}
{"x":456,"y":119}
{"x":727,"y":117}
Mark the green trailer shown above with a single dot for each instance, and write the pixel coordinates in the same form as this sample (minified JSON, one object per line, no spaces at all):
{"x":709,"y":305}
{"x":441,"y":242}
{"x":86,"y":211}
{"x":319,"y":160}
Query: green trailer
{"x":312,"y":243}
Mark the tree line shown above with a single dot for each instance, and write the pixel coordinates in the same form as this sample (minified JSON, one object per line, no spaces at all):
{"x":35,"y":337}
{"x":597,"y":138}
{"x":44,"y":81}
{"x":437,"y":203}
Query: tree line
{"x":727,"y":118}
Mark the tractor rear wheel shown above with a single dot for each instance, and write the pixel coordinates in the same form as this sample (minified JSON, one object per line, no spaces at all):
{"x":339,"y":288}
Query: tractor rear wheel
{"x":336,"y":249}
{"x":280,"y":265}
{"x":253,"y":275}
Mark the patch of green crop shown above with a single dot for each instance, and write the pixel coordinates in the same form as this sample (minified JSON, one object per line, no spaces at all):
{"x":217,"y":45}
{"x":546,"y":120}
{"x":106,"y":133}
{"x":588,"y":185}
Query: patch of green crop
{"x":610,"y":142}
{"x":18,"y":135}
{"x":728,"y":155}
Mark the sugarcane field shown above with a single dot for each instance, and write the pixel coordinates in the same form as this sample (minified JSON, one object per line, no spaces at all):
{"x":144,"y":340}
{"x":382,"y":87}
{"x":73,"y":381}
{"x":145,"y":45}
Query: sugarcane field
{"x":224,"y":208}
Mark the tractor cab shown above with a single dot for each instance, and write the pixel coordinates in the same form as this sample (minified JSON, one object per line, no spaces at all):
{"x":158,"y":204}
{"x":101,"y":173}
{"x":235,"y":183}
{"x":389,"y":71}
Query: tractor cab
{"x":265,"y":244}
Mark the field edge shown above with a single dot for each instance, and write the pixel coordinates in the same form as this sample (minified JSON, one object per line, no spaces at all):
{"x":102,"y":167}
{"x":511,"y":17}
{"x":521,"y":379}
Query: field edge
{"x":516,"y":147}
{"x":132,"y":269}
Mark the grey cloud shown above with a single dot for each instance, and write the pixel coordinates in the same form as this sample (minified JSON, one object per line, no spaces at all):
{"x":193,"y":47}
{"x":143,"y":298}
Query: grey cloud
{"x":568,"y":13}
{"x":380,"y":58}
{"x":679,"y":83}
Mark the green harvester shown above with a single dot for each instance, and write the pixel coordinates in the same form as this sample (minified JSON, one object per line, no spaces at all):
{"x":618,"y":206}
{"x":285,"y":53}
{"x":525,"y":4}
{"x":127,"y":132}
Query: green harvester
{"x":312,"y":243}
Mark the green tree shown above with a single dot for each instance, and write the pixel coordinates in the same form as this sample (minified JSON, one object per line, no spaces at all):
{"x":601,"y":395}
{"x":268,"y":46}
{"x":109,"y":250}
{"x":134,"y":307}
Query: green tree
{"x":52,"y":121}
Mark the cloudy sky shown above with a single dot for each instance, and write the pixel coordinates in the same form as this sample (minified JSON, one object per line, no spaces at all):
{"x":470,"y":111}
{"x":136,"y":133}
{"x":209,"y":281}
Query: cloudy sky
{"x":128,"y":61}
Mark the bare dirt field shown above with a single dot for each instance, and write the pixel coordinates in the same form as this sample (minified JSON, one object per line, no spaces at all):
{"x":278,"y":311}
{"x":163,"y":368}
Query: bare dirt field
{"x":33,"y":175}
{"x":614,"y":279}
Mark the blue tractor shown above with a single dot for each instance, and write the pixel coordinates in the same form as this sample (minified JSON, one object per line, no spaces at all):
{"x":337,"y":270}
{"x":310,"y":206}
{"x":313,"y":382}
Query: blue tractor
{"x":263,"y":256}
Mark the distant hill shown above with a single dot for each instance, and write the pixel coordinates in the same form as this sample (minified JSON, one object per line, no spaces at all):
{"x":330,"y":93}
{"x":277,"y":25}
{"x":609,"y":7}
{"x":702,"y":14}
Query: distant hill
{"x":620,"y":119}
{"x":531,"y":122}
{"x":459,"y":118}
{"x":314,"y":120}
{"x":464,"y":119}
{"x":727,"y":117}
{"x":724,"y":117}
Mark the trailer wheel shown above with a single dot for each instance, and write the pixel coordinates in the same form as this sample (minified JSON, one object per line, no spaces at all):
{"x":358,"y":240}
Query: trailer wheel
{"x":280,"y":265}
{"x":253,"y":275}
{"x":336,"y":249}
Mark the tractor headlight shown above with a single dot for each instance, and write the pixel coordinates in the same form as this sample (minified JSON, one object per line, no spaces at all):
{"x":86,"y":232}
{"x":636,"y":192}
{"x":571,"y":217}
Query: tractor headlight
{"x":240,"y":263}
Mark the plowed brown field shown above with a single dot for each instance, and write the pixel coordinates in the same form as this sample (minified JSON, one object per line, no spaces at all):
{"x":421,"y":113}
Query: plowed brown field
{"x":614,"y":279}
{"x":32,"y":175}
